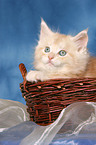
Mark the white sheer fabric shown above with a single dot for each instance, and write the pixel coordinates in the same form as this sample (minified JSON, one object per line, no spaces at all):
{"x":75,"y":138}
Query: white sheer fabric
{"x":12,"y":113}
{"x":76,"y":119}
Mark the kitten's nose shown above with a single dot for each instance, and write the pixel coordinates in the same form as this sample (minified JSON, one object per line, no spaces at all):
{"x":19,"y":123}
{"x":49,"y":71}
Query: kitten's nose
{"x":51,"y":56}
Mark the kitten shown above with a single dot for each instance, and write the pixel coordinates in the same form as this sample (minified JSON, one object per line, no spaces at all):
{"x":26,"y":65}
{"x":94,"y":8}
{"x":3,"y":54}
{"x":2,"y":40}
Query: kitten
{"x":61,"y":56}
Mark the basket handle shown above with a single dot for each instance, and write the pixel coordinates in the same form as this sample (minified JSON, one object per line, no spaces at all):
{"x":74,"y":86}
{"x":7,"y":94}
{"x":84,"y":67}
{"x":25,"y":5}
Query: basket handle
{"x":23,"y":70}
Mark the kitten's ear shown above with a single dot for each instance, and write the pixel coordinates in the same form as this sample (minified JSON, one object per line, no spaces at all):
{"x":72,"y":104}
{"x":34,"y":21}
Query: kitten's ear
{"x":45,"y":30}
{"x":81,"y":39}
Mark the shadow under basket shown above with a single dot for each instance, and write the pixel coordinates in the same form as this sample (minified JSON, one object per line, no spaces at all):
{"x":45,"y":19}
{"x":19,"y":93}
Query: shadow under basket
{"x":45,"y":100}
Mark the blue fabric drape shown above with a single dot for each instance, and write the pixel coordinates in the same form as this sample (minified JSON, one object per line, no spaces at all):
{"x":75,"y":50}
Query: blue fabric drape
{"x":19,"y":29}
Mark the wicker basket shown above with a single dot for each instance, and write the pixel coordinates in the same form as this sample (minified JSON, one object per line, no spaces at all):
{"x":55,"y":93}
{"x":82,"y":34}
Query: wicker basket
{"x":45,"y":100}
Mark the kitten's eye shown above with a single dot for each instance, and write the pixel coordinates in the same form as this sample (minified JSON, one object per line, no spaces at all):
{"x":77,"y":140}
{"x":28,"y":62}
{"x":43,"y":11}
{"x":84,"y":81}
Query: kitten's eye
{"x":47,"y":49}
{"x":62,"y":52}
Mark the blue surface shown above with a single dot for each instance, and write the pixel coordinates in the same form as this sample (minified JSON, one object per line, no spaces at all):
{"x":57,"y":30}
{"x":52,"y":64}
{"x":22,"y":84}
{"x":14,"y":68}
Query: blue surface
{"x":14,"y":136}
{"x":74,"y":142}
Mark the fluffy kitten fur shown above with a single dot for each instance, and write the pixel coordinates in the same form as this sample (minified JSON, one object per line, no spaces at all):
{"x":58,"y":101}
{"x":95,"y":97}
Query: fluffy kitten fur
{"x":75,"y":61}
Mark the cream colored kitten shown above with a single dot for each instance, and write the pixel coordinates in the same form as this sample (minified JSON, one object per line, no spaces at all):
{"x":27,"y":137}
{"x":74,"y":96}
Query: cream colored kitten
{"x":61,"y":56}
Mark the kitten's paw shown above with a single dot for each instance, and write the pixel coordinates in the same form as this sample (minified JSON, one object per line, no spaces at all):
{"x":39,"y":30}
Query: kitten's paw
{"x":31,"y":76}
{"x":34,"y":76}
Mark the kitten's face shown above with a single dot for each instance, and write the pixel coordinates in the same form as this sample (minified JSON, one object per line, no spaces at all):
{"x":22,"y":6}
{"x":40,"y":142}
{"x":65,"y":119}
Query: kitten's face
{"x":56,"y":52}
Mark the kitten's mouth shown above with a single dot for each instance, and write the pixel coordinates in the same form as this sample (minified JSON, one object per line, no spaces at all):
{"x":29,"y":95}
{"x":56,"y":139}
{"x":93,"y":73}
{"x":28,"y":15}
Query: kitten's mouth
{"x":50,"y":63}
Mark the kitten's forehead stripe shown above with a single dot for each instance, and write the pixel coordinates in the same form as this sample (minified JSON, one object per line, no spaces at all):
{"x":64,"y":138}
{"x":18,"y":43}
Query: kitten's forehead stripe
{"x":58,"y":41}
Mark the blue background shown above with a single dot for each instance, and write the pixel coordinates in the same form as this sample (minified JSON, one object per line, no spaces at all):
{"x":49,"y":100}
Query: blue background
{"x":19,"y":29}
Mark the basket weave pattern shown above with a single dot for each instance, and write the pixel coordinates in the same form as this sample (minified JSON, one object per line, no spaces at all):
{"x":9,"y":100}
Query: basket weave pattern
{"x":45,"y":100}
